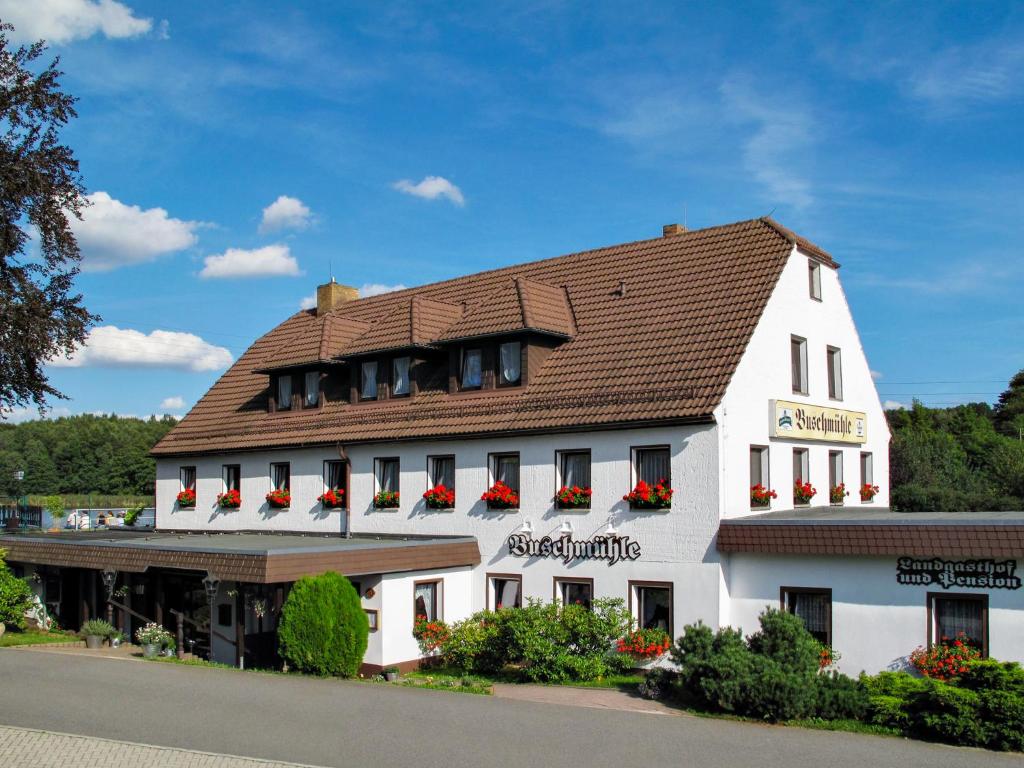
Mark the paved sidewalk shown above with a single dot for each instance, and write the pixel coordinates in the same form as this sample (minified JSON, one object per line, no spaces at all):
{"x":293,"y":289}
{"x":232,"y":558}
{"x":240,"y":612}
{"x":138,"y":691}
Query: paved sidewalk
{"x":27,"y":748}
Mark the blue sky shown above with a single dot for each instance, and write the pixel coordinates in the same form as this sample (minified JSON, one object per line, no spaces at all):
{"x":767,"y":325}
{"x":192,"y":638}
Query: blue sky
{"x":405,"y":143}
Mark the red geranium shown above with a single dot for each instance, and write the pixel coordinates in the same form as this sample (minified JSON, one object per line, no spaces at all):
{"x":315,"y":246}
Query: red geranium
{"x":430,"y":635}
{"x":868,"y":491}
{"x":500,"y":496}
{"x":280,"y":498}
{"x":229,"y":500}
{"x":573,"y":497}
{"x":440,"y":497}
{"x":386,"y":500}
{"x":187,"y":498}
{"x":945,"y":660}
{"x":332,"y":499}
{"x":837,"y":493}
{"x":761,"y":496}
{"x":646,"y":496}
{"x":803,"y":492}
{"x":645,"y":643}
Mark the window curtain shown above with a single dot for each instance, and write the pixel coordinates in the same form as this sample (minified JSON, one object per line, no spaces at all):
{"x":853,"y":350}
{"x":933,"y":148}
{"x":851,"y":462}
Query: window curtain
{"x":188,"y":478}
{"x":471,"y":376}
{"x":511,"y":362}
{"x":506,"y":470}
{"x":574,"y":593}
{"x":954,"y":616}
{"x":756,"y":473}
{"x":284,"y":392}
{"x":281,"y":477}
{"x":400,"y":376}
{"x":835,"y":460}
{"x":335,"y":475}
{"x":655,"y":608}
{"x":444,"y":472}
{"x":312,"y":388}
{"x":576,"y":469}
{"x":800,"y":465}
{"x":368,"y":390}
{"x":506,"y":593}
{"x":232,"y":477}
{"x":389,"y":475}
{"x":653,"y":465}
{"x":426,"y":600}
{"x":812,"y":608}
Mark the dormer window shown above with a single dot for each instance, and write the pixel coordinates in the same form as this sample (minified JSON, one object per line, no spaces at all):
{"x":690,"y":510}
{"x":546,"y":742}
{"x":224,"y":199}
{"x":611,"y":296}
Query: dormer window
{"x":284,"y":393}
{"x":471,"y":370}
{"x":510,"y":364}
{"x":400,"y":376}
{"x":368,"y":382}
{"x":311,"y":397}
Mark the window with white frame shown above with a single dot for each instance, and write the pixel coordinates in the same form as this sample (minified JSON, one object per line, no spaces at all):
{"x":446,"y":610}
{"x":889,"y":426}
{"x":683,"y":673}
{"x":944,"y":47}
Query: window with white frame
{"x":280,"y":476}
{"x":441,"y":471}
{"x":798,"y":363}
{"x":835,"y":373}
{"x":652,"y":605}
{"x":400,"y":385}
{"x":284,"y":392}
{"x":187,"y":476}
{"x":505,"y":590}
{"x":312,"y":389}
{"x":471,"y":369}
{"x":835,"y":468}
{"x":759,"y":466}
{"x":232,"y":476}
{"x":813,"y":606}
{"x":387,"y":474}
{"x":801,"y":465}
{"x":814,"y":278}
{"x":867,"y":469}
{"x":575,"y":592}
{"x":652,"y":465}
{"x":368,"y":380}
{"x":505,"y":469}
{"x":427,"y":600}
{"x":509,"y":363}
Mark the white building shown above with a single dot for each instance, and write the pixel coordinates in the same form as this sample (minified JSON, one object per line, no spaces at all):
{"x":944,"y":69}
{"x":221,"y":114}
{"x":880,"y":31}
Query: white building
{"x":718,"y":360}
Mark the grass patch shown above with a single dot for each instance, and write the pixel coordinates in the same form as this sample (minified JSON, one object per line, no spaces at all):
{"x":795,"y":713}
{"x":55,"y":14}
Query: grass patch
{"x":13,"y":638}
{"x":849,"y":726}
{"x":95,"y":500}
{"x":624,"y":682}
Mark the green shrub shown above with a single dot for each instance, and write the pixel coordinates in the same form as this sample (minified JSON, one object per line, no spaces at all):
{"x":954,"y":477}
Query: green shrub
{"x":97,"y":628}
{"x":992,"y":675}
{"x":466,"y":642}
{"x":840,"y":698}
{"x":131,"y":515}
{"x":784,"y":639}
{"x":944,"y":712}
{"x":323,"y":629}
{"x":1003,"y":714}
{"x":15,"y":597}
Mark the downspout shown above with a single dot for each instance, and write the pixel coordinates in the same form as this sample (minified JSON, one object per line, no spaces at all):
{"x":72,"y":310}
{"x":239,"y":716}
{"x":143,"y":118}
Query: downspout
{"x":343,"y":455}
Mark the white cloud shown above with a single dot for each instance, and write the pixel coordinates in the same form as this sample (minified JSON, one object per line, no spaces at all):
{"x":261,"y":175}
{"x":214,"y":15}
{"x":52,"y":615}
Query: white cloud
{"x":61,"y":21}
{"x":876,"y":375}
{"x":375,"y":289}
{"x":110,"y":346}
{"x":258,"y":262}
{"x":175,"y":403}
{"x":308,"y":302}
{"x":285,"y":213}
{"x":112,"y":234}
{"x":30,"y":413}
{"x":894,"y":405}
{"x":431,"y":188}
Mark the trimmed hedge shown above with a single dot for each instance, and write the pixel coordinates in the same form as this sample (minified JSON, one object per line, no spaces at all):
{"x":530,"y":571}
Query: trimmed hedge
{"x":323,"y":629}
{"x":15,"y":597}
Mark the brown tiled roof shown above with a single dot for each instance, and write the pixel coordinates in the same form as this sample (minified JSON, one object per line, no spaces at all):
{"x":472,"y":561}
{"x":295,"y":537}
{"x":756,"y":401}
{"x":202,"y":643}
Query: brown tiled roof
{"x":657,"y":328}
{"x":306,"y":338}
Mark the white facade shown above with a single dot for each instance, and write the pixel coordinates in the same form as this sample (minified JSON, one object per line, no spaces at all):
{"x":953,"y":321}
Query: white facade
{"x":875,"y":624}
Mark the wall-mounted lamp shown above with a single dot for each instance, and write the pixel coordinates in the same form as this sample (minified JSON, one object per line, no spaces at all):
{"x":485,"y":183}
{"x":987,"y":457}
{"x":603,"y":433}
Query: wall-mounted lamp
{"x":567,"y":528}
{"x":527,"y":526}
{"x":611,"y":530}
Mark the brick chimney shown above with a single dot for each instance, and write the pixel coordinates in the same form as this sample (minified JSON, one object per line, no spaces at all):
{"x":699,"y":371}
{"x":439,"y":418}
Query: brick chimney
{"x":672,"y":229}
{"x":332,"y":295}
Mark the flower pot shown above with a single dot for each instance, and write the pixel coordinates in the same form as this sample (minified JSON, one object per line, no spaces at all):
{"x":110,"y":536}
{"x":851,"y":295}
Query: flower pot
{"x":93,"y":642}
{"x":391,"y":677}
{"x":150,"y":650}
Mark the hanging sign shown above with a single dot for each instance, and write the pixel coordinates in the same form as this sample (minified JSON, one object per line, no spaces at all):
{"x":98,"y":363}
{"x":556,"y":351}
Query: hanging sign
{"x":967,"y":574}
{"x":812,"y":422}
{"x":610,"y":548}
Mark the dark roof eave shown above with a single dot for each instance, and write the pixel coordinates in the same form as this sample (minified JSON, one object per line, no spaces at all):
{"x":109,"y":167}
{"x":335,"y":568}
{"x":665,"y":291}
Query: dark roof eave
{"x":271,"y":370}
{"x":512,"y":332}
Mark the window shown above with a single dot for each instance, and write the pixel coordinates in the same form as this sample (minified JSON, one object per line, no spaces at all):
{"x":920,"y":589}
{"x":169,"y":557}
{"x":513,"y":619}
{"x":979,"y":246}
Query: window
{"x":835,"y":373}
{"x":280,"y":476}
{"x":441,"y":471}
{"x":400,"y":376}
{"x":188,"y":478}
{"x":509,"y":363}
{"x":426,"y":600}
{"x":952,"y":615}
{"x":312,"y":389}
{"x":505,"y":469}
{"x":814,"y":279}
{"x":232,"y":474}
{"x":801,"y":465}
{"x":798,"y":359}
{"x":224,"y":612}
{"x":867,"y":469}
{"x":814,"y":607}
{"x":387,"y":474}
{"x":284,"y":393}
{"x":334,"y":477}
{"x":652,"y":465}
{"x":505,"y":591}
{"x":368,"y":381}
{"x":651,"y":603}
{"x":835,"y":468}
{"x":372,"y":619}
{"x":759,"y":466}
{"x":471,"y":369}
{"x":575,"y":592}
{"x":574,"y":468}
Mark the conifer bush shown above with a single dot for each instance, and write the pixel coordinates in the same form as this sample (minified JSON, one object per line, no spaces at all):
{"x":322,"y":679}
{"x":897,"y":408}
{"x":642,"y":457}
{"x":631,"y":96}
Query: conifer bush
{"x":15,"y":597}
{"x":323,"y":629}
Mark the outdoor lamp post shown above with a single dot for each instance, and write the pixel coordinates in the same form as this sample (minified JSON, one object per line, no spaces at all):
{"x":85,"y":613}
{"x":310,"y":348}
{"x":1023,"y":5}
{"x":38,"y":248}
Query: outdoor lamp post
{"x":211,"y":584}
{"x":109,"y":577}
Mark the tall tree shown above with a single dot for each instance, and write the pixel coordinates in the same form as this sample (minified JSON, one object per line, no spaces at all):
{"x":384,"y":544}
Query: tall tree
{"x":1010,"y":408}
{"x":40,"y":187}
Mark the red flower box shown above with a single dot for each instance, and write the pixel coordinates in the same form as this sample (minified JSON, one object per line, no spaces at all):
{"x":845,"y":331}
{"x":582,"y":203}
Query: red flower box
{"x":573,"y":497}
{"x":945,"y":660}
{"x":500,"y":496}
{"x":646,"y":496}
{"x":229,"y":500}
{"x":332,"y":499}
{"x":386,"y":500}
{"x":280,"y":498}
{"x":440,"y":497}
{"x":761,"y":496}
{"x":837,"y":493}
{"x":644,"y":644}
{"x":803,"y":492}
{"x":187,"y":499}
{"x":868,"y":492}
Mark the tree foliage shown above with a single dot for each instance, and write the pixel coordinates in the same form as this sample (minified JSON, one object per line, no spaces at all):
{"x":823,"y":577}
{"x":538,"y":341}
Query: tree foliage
{"x":15,"y":597}
{"x":40,"y":187}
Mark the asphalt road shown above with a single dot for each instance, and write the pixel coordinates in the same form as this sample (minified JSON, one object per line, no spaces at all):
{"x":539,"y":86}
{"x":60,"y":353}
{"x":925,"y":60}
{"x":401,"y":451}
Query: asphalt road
{"x":331,"y":723}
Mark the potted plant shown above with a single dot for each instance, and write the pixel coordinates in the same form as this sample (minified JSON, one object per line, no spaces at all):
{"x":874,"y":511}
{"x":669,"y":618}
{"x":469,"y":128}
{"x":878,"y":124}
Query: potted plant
{"x":386,"y":500}
{"x":152,"y":637}
{"x":837,"y":493}
{"x":187,"y":498}
{"x":95,"y":631}
{"x":803,"y":492}
{"x":500,"y":496}
{"x":573,"y":497}
{"x":131,"y":516}
{"x":868,"y":491}
{"x":229,"y":499}
{"x":647,"y":496}
{"x":439,"y":497}
{"x":332,"y":499}
{"x":761,"y":496}
{"x":644,"y":644}
{"x":391,"y":674}
{"x":55,"y":507}
{"x":279,"y":498}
